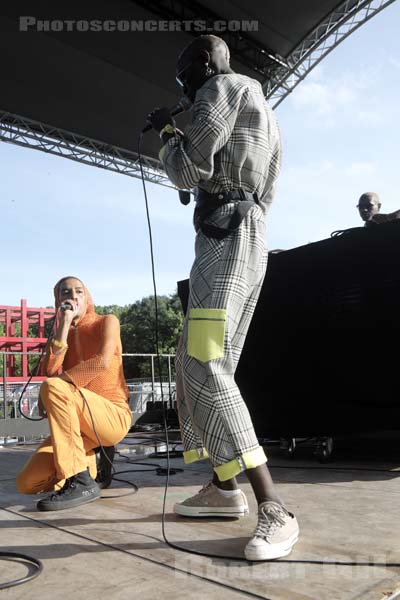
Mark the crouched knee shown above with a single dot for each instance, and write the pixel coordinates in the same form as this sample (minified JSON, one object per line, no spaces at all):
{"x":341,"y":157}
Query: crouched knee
{"x":24,"y":486}
{"x":49,"y":385}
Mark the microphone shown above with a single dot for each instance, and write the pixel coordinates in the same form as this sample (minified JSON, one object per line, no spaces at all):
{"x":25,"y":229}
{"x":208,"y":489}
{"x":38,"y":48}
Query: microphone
{"x":184,"y":197}
{"x":183,"y":105}
{"x":65,"y":306}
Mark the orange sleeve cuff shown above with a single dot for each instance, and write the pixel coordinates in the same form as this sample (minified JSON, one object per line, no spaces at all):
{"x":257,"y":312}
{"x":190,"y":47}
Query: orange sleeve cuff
{"x":52,"y":362}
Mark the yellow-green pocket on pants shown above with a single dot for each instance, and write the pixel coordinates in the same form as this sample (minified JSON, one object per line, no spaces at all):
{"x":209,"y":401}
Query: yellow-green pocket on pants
{"x":206,"y":332}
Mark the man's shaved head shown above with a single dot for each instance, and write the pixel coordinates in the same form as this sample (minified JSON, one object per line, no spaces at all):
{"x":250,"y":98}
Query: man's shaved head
{"x":204,"y":57}
{"x":214,"y":45}
{"x":369,"y":196}
{"x":368,"y":205}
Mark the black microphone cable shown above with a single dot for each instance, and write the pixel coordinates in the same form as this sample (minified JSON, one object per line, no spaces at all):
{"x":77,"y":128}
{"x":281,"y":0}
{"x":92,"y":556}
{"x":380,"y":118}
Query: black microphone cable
{"x":36,"y":369}
{"x":156,"y":330}
{"x":33,"y":374}
{"x":18,"y":557}
{"x":113,"y":472}
{"x":156,"y":338}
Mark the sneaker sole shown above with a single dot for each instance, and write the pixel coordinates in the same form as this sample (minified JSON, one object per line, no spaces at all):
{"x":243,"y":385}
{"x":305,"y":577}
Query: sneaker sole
{"x":196,"y":511}
{"x":64,"y":505}
{"x":273,"y":551}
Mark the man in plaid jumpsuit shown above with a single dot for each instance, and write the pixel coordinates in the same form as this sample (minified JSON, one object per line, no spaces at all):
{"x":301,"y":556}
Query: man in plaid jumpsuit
{"x":231,"y":154}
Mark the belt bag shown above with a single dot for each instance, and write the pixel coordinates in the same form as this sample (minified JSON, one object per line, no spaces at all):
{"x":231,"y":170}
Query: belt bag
{"x":206,"y":204}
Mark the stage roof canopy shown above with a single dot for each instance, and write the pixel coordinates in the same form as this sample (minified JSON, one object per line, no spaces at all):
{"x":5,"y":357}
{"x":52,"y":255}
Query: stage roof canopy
{"x":101,"y":84}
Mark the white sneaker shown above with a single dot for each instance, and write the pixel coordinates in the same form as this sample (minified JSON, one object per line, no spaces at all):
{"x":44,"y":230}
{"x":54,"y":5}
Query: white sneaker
{"x":209,"y":502}
{"x":276,"y":533}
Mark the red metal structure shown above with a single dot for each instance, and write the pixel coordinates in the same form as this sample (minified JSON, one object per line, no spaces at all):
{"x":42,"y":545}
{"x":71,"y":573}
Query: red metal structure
{"x":18,"y":321}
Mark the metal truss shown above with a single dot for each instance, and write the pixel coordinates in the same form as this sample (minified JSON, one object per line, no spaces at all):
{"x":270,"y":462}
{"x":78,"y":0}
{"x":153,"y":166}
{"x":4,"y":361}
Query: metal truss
{"x":281,"y":80}
{"x":32,"y":134}
{"x":281,"y":76}
{"x":243,"y":48}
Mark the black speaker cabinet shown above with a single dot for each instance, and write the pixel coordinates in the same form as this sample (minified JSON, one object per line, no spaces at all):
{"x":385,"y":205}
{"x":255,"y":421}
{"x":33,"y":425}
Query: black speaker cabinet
{"x":321,"y":355}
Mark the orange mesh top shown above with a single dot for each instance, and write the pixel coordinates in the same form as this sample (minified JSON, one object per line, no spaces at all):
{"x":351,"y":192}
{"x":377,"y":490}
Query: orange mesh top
{"x":93,"y":359}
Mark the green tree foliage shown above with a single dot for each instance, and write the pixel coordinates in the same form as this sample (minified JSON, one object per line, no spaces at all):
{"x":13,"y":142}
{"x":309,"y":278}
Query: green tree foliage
{"x":111,"y":309}
{"x":138,"y":325}
{"x":137,"y":332}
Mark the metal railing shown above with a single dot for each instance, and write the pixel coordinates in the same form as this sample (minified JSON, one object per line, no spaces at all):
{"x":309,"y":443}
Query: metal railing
{"x":142,"y":390}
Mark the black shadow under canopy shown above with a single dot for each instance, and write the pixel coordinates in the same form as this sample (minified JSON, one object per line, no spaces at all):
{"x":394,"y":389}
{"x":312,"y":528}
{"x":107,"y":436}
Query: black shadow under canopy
{"x":102,"y":84}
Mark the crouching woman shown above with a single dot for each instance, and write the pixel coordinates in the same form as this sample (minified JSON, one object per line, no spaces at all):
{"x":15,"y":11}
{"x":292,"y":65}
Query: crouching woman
{"x":86,"y":405}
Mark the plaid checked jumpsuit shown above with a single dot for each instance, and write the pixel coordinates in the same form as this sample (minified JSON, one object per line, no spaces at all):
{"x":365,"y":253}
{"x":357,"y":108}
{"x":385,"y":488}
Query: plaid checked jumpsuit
{"x":233,"y":143}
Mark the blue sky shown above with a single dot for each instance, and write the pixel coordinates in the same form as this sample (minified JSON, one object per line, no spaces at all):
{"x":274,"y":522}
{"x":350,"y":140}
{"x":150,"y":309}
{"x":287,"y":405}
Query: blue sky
{"x":341,"y":134}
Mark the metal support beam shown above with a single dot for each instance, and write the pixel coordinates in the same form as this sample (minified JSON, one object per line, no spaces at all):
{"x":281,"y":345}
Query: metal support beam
{"x":4,"y":366}
{"x":281,"y":75}
{"x":32,"y":134}
{"x":243,"y":48}
{"x":349,"y":16}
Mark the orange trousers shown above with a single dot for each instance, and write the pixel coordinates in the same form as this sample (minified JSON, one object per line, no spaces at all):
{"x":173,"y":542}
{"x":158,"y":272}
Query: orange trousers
{"x":69,"y":448}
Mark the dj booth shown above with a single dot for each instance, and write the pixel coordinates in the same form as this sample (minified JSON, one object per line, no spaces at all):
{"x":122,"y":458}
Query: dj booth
{"x":322,"y":353}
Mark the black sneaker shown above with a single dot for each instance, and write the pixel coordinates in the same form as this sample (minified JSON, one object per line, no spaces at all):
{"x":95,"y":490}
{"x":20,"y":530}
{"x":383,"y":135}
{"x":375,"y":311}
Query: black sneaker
{"x":105,"y":466}
{"x":78,"y":489}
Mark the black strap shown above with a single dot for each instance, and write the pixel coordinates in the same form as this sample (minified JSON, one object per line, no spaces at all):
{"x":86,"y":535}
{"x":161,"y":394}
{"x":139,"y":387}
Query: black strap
{"x":208,"y":203}
{"x":219,"y":233}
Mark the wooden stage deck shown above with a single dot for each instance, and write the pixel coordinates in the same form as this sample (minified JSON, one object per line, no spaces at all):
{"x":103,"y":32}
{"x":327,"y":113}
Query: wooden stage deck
{"x":348,"y":511}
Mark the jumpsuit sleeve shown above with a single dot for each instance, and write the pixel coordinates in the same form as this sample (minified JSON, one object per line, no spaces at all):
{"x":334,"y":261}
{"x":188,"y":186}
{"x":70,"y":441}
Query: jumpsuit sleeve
{"x":87,"y":370}
{"x":190,"y":158}
{"x":52,"y":361}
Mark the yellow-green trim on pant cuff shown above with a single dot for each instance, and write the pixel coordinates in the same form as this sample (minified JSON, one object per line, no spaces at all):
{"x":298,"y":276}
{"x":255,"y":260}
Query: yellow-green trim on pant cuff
{"x":190,"y":456}
{"x":249,"y":460}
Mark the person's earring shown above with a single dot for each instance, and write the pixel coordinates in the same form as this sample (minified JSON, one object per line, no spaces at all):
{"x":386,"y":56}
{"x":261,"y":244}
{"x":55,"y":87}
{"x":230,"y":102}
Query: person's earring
{"x":209,"y":71}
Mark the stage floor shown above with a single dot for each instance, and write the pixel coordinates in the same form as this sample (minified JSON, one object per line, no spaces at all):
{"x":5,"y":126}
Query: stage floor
{"x":348,"y":512}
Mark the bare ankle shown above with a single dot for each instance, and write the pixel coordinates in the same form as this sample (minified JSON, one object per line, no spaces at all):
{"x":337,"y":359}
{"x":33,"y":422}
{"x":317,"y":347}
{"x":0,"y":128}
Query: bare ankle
{"x":270,"y":498}
{"x":229,"y":484}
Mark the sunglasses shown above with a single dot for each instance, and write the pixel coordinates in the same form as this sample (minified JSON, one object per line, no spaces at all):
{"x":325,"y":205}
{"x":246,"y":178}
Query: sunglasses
{"x":181,"y":77}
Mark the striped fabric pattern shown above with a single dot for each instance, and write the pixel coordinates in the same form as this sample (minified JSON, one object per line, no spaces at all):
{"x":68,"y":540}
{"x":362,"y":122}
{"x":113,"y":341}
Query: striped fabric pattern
{"x":225,"y":274}
{"x":233,"y":141}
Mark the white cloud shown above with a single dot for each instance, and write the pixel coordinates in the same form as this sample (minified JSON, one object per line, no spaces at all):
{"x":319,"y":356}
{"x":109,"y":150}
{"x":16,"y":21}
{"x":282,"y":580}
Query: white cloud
{"x":360,"y":168}
{"x":313,"y":95}
{"x":330,"y":98}
{"x":317,"y":198}
{"x":371,"y":117}
{"x":395,"y":62}
{"x":326,"y":178}
{"x":324,"y":98}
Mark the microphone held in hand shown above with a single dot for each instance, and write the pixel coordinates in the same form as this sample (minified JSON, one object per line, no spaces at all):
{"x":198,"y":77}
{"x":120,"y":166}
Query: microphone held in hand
{"x":65,"y":306}
{"x":183,"y":105}
{"x":184,"y":196}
